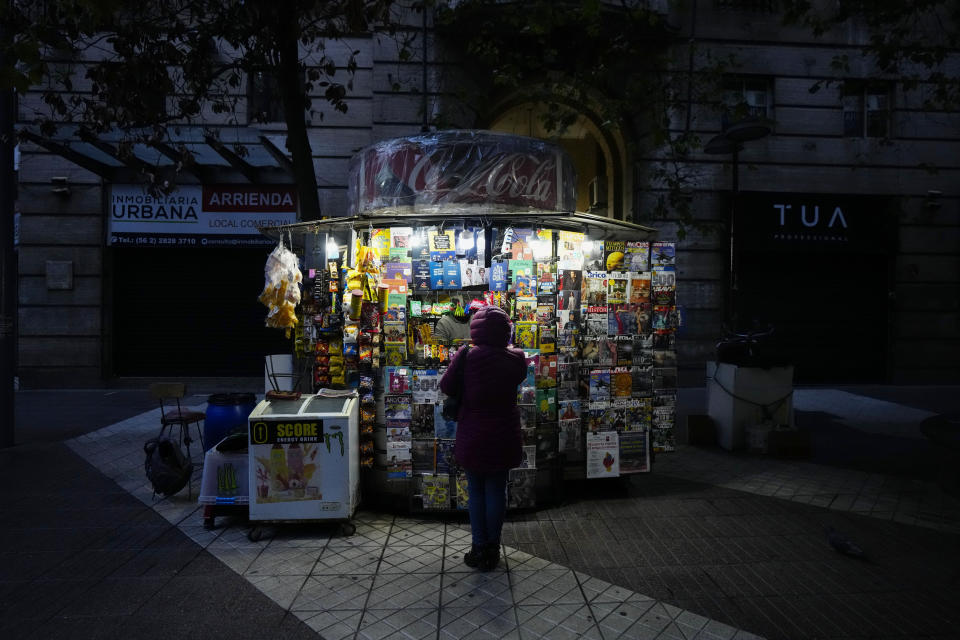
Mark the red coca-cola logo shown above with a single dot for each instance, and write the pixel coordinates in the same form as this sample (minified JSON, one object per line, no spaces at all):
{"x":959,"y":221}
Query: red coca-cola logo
{"x":463,"y":169}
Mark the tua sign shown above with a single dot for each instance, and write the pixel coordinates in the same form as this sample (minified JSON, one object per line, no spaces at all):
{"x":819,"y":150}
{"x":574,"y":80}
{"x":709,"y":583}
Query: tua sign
{"x":813,"y":218}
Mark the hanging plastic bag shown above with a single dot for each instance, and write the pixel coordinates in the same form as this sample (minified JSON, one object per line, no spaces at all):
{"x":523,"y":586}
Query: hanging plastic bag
{"x":281,"y":288}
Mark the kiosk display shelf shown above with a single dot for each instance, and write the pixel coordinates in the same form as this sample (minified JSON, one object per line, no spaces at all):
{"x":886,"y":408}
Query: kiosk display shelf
{"x":389,"y":289}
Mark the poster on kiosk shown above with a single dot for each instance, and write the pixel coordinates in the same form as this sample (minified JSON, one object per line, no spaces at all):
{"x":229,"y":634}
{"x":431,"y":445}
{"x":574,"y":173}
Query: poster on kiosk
{"x":304,"y":459}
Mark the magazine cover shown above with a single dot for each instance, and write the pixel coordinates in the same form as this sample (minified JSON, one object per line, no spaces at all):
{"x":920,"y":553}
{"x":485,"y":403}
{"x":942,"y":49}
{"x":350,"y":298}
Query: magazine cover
{"x":395,"y":354}
{"x":641,"y":416}
{"x":593,"y":256}
{"x":419,"y":243}
{"x":395,"y":332}
{"x":546,"y":441}
{"x":525,"y":309}
{"x":546,"y":308}
{"x":397,"y":411}
{"x":570,"y":249}
{"x":400,"y":237}
{"x":546,"y":279}
{"x":380,"y":242}
{"x":665,"y":377}
{"x":618,"y":415}
{"x":617,"y":284}
{"x":596,"y":323}
{"x":568,"y":410}
{"x":396,"y":307}
{"x":436,"y":275}
{"x":570,"y":439}
{"x":528,"y":459}
{"x":546,"y":371}
{"x":522,"y":488}
{"x":614,"y":254}
{"x":498,"y":275}
{"x":425,"y":386}
{"x":547,"y":339}
{"x":463,"y":494}
{"x":443,"y":428}
{"x":568,"y":299}
{"x":637,"y":256}
{"x":451,"y":274}
{"x":396,"y":379}
{"x":603,"y":454}
{"x":664,"y":358}
{"x":640,"y":287}
{"x":421,"y":421}
{"x":621,"y":382}
{"x":566,"y":379}
{"x":634,"y":452}
{"x":525,"y":335}
{"x":546,"y":405}
{"x":624,"y":348}
{"x":598,"y":416}
{"x":521,"y":247}
{"x":471,"y":273}
{"x":622,"y":319}
{"x":608,"y":352}
{"x":642,"y":377}
{"x":589,"y":349}
{"x":599,"y":385}
{"x":595,"y":289}
{"x":443,"y":245}
{"x":435,"y":489}
{"x":421,"y":452}
{"x":421,"y":275}
{"x":522,"y":277}
{"x":662,"y":319}
{"x":666,"y":279}
{"x":443,"y":456}
{"x":570,"y":280}
{"x":663,"y":440}
{"x":528,"y":415}
{"x":663,"y":255}
{"x":398,"y":271}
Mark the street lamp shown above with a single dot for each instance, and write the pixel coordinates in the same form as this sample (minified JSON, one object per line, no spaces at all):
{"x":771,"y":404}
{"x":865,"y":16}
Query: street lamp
{"x":731,"y":142}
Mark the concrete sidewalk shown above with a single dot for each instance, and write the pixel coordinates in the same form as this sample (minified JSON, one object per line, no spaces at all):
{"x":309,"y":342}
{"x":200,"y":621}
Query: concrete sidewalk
{"x":712,"y":544}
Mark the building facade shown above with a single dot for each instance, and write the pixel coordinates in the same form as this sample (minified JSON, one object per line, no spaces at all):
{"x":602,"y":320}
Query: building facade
{"x":845,"y":215}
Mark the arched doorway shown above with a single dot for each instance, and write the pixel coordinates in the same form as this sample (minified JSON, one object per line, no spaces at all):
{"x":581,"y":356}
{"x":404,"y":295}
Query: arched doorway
{"x":599,"y":155}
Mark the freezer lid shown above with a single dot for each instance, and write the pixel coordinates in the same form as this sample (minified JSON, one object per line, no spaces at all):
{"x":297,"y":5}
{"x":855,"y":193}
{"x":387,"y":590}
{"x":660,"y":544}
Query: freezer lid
{"x":278,"y":408}
{"x":320,"y":404}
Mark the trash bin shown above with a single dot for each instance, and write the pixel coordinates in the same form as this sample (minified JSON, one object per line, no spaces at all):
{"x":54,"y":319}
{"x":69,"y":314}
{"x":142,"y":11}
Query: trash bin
{"x":226,"y":413}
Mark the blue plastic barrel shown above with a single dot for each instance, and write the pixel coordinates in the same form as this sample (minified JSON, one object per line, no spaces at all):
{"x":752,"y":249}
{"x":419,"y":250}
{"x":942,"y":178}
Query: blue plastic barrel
{"x":226,"y":413}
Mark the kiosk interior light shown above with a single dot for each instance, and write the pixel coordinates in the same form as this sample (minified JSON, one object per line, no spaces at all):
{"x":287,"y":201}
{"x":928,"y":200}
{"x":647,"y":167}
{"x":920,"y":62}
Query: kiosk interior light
{"x":333,"y":251}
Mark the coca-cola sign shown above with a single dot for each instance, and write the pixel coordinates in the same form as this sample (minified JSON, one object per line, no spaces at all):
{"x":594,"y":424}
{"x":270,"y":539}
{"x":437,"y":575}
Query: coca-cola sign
{"x":462,"y":168}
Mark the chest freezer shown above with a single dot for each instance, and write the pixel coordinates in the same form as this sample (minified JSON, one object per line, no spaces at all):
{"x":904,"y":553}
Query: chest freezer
{"x":304,"y":461}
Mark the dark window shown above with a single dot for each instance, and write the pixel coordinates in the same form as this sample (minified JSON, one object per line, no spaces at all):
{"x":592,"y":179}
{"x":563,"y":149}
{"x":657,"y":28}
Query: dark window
{"x":746,"y":5}
{"x":264,"y":103}
{"x":745,"y":98}
{"x":866,"y":110}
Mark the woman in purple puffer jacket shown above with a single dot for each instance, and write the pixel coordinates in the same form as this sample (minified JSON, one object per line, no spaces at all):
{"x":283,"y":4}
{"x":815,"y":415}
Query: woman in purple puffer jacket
{"x":488,"y":427}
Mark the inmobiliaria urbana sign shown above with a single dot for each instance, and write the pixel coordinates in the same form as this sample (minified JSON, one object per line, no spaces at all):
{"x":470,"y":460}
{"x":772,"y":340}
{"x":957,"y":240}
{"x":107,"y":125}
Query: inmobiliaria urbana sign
{"x":198,"y":215}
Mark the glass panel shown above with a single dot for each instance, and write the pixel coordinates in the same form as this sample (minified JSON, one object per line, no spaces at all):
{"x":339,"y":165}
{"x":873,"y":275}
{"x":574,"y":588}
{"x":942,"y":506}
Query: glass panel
{"x":282,"y":407}
{"x":319,"y":404}
{"x":852,"y":123}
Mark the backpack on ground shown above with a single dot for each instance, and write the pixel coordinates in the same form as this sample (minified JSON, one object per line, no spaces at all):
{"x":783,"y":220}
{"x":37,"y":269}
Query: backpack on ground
{"x":167,"y":468}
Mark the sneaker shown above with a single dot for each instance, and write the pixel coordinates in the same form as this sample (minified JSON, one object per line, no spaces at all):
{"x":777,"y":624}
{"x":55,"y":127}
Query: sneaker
{"x":473,"y":557}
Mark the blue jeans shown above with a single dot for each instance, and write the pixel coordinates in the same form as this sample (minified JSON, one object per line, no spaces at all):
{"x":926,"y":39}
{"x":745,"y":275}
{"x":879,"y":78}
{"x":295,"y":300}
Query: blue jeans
{"x":487,"y":506}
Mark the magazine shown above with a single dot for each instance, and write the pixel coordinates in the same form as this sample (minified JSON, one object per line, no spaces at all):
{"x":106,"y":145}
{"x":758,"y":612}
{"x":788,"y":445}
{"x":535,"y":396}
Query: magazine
{"x":442,"y":245}
{"x":617,"y":284}
{"x":570,"y":439}
{"x":639,"y":287}
{"x":547,"y":441}
{"x":603,"y":454}
{"x":570,"y":249}
{"x":546,"y":405}
{"x":546,"y":371}
{"x":425,"y":386}
{"x":599,"y":385}
{"x":421,"y":452}
{"x":621,"y":382}
{"x":435,"y":489}
{"x":663,"y":255}
{"x":522,"y":488}
{"x":463,"y":493}
{"x":614,"y":253}
{"x":528,"y":458}
{"x":622,"y":319}
{"x":443,"y":456}
{"x":421,"y":421}
{"x":634,"y":452}
{"x":637,"y":256}
{"x":593,"y":257}
{"x":525,"y":335}
{"x":595,"y":289}
{"x":525,"y":309}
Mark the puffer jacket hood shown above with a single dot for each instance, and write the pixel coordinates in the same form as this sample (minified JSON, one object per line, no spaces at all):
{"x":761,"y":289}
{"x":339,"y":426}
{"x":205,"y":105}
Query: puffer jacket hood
{"x":491,"y":326}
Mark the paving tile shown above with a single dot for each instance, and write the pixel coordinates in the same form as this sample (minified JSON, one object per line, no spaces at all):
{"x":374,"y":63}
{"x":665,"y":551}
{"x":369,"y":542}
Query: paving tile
{"x":476,"y":589}
{"x":408,"y":623}
{"x":488,"y":622}
{"x":412,"y":559}
{"x":557,"y":621}
{"x":546,"y":587}
{"x":285,"y":561}
{"x":282,"y":589}
{"x":333,"y":625}
{"x":347,"y":560}
{"x":394,"y":591}
{"x":347,"y":592}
